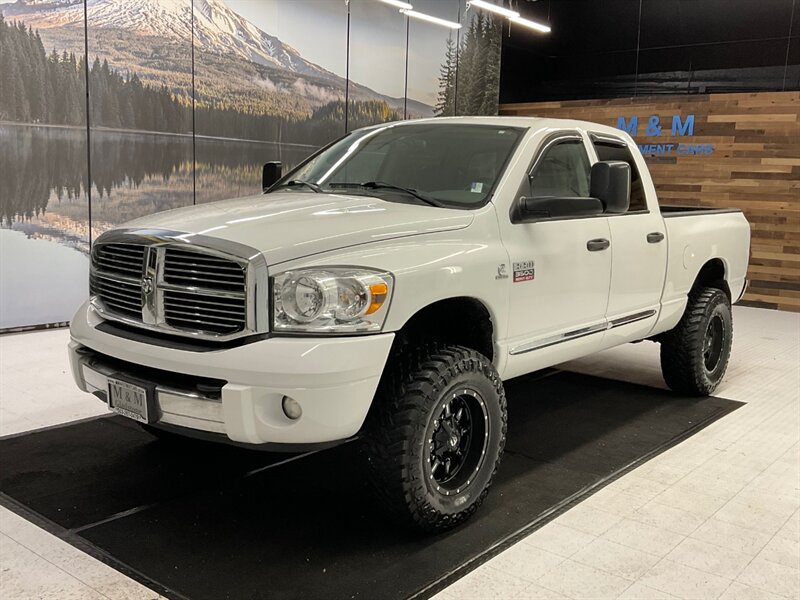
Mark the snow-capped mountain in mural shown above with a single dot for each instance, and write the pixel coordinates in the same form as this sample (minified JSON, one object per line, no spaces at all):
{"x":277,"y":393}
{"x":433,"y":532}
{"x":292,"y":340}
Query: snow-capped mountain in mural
{"x":216,"y":27}
{"x":118,"y":29}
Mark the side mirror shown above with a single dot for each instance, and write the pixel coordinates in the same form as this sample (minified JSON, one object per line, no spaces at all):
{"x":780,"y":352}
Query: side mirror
{"x":548,"y":207}
{"x":611,"y":183}
{"x":272,"y":172}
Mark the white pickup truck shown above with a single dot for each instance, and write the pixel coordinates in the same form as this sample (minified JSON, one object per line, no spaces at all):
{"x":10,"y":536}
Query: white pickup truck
{"x":386,"y":287}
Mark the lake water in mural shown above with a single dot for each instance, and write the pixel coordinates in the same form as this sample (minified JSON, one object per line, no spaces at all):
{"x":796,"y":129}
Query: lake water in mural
{"x":44,"y":212}
{"x":43,"y":280}
{"x":133,"y":174}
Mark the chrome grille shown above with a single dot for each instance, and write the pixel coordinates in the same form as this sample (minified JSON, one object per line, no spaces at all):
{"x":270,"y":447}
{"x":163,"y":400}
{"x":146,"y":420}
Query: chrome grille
{"x":216,"y":302}
{"x":116,"y":277}
{"x":224,"y":314}
{"x":125,"y":259}
{"x":195,"y":269}
{"x":160,"y":282}
{"x":122,"y":297}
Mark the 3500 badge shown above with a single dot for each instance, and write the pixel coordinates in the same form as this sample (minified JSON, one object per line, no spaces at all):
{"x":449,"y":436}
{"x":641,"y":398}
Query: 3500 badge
{"x":524,"y":271}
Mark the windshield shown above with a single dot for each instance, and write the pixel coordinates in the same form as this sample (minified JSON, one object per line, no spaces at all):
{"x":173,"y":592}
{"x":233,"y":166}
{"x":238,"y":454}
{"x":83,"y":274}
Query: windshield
{"x":442,"y":164}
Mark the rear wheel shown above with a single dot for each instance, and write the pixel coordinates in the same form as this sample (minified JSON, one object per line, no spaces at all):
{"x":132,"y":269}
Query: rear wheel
{"x":695,"y":354}
{"x":436,"y":434}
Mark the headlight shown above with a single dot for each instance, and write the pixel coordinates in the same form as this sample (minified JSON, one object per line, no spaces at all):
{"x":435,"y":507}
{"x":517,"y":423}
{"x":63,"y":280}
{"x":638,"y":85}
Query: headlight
{"x":331,"y":300}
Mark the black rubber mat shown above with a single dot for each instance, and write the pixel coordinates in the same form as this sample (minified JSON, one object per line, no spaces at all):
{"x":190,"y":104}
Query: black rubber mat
{"x":203,"y":521}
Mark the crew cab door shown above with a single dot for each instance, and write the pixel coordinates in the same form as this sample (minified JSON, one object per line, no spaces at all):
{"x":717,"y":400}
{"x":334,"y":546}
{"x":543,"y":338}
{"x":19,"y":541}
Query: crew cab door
{"x":638,"y":249}
{"x":560,"y":267}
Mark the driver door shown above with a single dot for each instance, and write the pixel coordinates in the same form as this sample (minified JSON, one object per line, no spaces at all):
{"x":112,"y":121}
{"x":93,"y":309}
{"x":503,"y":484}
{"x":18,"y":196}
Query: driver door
{"x":560,"y":267}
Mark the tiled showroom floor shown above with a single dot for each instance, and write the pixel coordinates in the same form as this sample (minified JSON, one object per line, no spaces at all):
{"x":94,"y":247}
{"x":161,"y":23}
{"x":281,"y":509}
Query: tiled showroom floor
{"x":717,"y":516}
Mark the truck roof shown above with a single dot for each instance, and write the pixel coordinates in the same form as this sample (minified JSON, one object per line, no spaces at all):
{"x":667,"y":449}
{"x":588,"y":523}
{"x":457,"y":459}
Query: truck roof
{"x":536,"y":123}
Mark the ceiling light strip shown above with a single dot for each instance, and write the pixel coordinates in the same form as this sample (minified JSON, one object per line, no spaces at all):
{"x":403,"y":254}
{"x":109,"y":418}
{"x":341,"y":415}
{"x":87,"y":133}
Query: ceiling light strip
{"x":530,"y":24}
{"x":398,"y":4}
{"x":431,"y":19}
{"x":511,"y":14}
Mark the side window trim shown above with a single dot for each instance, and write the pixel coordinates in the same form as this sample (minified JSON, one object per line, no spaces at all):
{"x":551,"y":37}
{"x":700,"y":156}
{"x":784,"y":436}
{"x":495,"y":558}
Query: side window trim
{"x":551,"y":140}
{"x":607,"y":139}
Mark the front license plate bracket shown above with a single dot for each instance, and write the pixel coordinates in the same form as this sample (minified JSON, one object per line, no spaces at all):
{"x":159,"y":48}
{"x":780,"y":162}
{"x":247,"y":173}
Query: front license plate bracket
{"x":132,"y":398}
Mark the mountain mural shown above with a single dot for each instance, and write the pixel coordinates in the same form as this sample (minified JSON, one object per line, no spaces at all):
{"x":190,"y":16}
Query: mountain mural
{"x":236,"y":63}
{"x":186,"y":105}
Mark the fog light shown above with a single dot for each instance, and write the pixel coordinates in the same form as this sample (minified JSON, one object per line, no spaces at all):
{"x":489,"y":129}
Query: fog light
{"x":292,"y":408}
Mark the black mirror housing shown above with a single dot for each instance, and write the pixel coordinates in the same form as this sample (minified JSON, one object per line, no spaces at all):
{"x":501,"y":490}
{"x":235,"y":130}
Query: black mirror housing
{"x":271,"y":174}
{"x":610,"y":182}
{"x":549,"y":207}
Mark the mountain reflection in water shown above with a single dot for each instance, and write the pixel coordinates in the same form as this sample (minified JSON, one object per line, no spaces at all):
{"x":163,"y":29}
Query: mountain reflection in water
{"x":133,"y":174}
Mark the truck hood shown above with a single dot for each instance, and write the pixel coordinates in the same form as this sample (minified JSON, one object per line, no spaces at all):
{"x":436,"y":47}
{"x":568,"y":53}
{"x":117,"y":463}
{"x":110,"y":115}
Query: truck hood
{"x":290,"y":225}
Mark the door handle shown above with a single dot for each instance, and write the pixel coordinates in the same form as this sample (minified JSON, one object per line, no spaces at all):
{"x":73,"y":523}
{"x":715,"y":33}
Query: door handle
{"x":597,"y":244}
{"x":655,"y":237}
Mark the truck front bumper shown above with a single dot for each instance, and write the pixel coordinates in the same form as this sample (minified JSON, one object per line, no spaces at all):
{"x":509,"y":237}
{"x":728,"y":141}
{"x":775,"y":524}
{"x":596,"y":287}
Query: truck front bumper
{"x":238,"y":392}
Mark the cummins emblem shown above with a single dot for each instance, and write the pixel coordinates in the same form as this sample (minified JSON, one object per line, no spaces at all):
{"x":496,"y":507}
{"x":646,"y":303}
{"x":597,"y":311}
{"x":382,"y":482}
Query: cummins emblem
{"x":524,"y":271}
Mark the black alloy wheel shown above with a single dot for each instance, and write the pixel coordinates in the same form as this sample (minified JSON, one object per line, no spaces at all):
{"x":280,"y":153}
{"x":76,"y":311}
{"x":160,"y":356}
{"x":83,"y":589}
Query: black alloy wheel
{"x":713,"y":343}
{"x":457,"y":444}
{"x":435,"y":434}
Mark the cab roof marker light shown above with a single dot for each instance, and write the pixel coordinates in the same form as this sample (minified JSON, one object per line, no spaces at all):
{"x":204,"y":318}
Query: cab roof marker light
{"x":398,"y":4}
{"x":530,"y":24}
{"x":511,"y":14}
{"x":431,"y":19}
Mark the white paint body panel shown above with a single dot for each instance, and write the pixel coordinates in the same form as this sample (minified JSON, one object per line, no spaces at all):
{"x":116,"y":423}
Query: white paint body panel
{"x":290,"y":225}
{"x":693,"y":242}
{"x":334,"y":379}
{"x":436,"y":254}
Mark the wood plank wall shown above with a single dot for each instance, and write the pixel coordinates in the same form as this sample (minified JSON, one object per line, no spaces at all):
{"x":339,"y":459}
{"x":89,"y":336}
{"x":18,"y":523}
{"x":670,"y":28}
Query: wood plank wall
{"x":755,"y":166}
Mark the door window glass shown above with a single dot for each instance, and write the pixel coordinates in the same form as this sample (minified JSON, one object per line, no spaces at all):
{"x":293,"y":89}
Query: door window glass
{"x":562,"y":172}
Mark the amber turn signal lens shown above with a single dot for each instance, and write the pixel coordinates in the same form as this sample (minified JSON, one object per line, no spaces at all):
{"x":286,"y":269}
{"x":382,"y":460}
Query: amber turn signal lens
{"x":378,"y":291}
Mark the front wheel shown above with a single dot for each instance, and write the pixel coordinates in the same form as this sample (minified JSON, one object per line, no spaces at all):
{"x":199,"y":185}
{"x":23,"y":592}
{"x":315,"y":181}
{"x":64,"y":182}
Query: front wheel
{"x":694,"y":355}
{"x":436,"y":434}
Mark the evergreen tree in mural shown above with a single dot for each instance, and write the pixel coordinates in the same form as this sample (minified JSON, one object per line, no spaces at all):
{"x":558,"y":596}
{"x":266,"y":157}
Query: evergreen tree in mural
{"x":493,"y":32}
{"x":446,"y":101}
{"x":39,"y":88}
{"x":24,"y":70}
{"x":470,"y":78}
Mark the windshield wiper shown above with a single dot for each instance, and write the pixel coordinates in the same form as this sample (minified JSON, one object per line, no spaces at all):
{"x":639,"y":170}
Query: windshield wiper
{"x":376,"y":185}
{"x":299,"y":182}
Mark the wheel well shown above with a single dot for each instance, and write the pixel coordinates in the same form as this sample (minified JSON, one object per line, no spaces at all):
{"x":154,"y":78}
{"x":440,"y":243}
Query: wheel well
{"x":461,"y":321}
{"x":713,"y":275}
